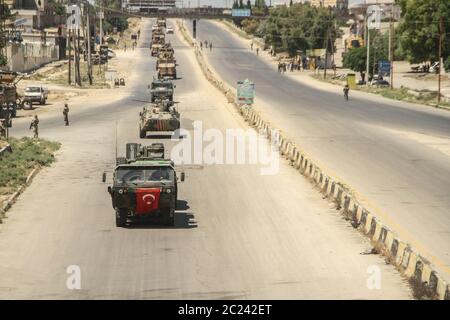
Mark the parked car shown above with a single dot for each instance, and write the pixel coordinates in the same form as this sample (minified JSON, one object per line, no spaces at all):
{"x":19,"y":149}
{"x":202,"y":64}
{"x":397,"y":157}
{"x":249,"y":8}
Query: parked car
{"x":36,"y":94}
{"x":434,"y":68}
{"x":378,"y":81}
{"x":111,"y":54}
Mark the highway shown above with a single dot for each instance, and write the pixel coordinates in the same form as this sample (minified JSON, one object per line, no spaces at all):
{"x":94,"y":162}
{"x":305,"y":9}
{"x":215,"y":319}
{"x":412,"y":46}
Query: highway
{"x":237,"y":234}
{"x":395,"y":155}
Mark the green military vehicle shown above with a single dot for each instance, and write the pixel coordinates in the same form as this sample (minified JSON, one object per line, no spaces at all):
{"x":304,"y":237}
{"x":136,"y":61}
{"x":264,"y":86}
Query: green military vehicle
{"x":145,"y":185}
{"x":161,"y":89}
{"x":158,"y":41}
{"x":160,"y":118}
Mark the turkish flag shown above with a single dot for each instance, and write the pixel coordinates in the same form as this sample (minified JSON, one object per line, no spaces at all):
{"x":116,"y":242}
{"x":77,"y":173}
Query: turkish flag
{"x":147,"y":200}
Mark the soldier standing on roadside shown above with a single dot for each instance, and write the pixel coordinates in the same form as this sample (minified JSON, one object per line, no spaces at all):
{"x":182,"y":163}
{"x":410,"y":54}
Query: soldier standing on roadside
{"x":35,"y":126}
{"x":66,"y":114}
{"x":257,"y":51}
{"x":2,"y":130}
{"x":251,"y":46}
{"x":210,"y":46}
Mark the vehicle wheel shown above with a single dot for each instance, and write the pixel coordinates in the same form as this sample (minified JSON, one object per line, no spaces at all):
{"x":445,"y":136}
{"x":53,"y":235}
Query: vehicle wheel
{"x":121,"y":218}
{"x":169,"y":218}
{"x":142,"y":133}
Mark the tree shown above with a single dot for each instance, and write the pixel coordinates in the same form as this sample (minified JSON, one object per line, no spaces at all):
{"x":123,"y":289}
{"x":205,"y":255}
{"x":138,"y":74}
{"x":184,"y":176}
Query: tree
{"x":4,"y":14}
{"x":241,"y":4}
{"x":419,"y":29}
{"x":299,"y":27}
{"x":290,"y":3}
{"x":355,"y":59}
{"x":59,"y":8}
{"x":249,"y":4}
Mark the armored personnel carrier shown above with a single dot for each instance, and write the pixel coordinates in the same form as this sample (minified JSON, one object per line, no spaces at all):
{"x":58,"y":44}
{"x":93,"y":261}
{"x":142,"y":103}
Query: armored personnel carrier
{"x":161,"y":89}
{"x":158,"y":40}
{"x":165,"y":53}
{"x":145,"y":185}
{"x":167,"y":68}
{"x":161,"y":118}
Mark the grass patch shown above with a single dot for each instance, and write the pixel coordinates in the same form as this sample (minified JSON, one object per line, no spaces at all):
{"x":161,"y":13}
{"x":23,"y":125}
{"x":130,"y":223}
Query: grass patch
{"x":26,"y":154}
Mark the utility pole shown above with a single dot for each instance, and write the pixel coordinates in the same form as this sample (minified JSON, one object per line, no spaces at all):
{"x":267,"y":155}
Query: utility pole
{"x":441,"y":33}
{"x":88,"y":35}
{"x":78,"y":57}
{"x":391,"y":47}
{"x":69,"y":43}
{"x":101,"y":24}
{"x":368,"y":53}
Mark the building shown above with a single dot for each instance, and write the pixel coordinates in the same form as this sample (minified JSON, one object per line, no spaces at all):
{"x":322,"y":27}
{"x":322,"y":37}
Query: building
{"x":339,"y":4}
{"x":148,"y":5}
{"x":33,"y":14}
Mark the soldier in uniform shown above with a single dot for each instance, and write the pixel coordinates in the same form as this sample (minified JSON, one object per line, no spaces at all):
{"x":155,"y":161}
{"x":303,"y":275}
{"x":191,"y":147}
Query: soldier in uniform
{"x":66,"y":114}
{"x":2,"y":129}
{"x":35,"y":126}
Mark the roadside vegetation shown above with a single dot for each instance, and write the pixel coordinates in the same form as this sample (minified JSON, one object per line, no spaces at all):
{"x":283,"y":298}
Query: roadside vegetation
{"x":27,"y":153}
{"x":293,"y":28}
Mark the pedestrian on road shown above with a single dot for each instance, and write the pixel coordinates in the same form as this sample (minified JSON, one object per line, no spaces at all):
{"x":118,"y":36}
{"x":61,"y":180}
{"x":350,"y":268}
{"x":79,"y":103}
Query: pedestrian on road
{"x":210,"y":46}
{"x":66,"y":114}
{"x":346,"y":90}
{"x":257,"y":51}
{"x":201,"y":45}
{"x":206,"y":43}
{"x":2,"y":129}
{"x":251,"y":46}
{"x":35,"y":126}
{"x":125,"y":47}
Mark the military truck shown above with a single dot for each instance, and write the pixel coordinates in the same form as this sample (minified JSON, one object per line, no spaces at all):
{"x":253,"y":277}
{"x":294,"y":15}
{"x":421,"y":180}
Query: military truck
{"x":160,"y":118}
{"x":161,"y":89}
{"x":166,"y":52}
{"x":145,"y":185}
{"x":158,"y":40}
{"x":167,"y":68}
{"x":161,"y":22}
{"x":9,"y":98}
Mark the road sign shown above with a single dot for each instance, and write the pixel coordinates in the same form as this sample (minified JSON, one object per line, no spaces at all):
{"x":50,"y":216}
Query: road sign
{"x":245,"y":92}
{"x":241,"y":12}
{"x":384,"y":68}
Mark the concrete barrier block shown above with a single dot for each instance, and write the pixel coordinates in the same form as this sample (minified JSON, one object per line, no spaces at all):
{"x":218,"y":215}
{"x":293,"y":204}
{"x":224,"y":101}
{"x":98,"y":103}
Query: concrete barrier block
{"x":389,"y":239}
{"x":401,"y":247}
{"x":411,"y":267}
{"x":368,"y":223}
{"x":441,"y":288}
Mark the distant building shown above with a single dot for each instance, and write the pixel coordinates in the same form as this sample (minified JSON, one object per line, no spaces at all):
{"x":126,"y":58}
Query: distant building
{"x":339,"y":4}
{"x":148,"y":5}
{"x":33,"y":14}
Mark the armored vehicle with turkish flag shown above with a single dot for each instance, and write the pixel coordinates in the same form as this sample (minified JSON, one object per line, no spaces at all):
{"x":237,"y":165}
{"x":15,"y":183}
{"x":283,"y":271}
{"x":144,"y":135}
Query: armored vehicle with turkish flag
{"x":145,"y":185}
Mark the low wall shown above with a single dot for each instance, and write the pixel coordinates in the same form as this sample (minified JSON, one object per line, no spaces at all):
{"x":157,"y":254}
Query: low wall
{"x":29,"y":56}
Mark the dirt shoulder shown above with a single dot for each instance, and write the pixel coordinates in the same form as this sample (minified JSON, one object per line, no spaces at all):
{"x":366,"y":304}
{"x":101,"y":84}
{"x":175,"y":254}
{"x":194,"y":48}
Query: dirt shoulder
{"x":54,"y":77}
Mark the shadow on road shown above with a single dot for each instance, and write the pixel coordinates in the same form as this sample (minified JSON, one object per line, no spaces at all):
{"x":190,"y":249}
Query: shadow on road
{"x":183,"y":220}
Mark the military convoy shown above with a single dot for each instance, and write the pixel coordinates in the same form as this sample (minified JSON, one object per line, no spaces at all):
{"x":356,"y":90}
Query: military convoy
{"x":145,"y":185}
{"x":144,"y":182}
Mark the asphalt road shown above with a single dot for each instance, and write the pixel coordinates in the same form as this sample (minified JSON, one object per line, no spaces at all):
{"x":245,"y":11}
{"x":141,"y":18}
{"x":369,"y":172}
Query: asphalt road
{"x":237,"y":233}
{"x":395,"y":155}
